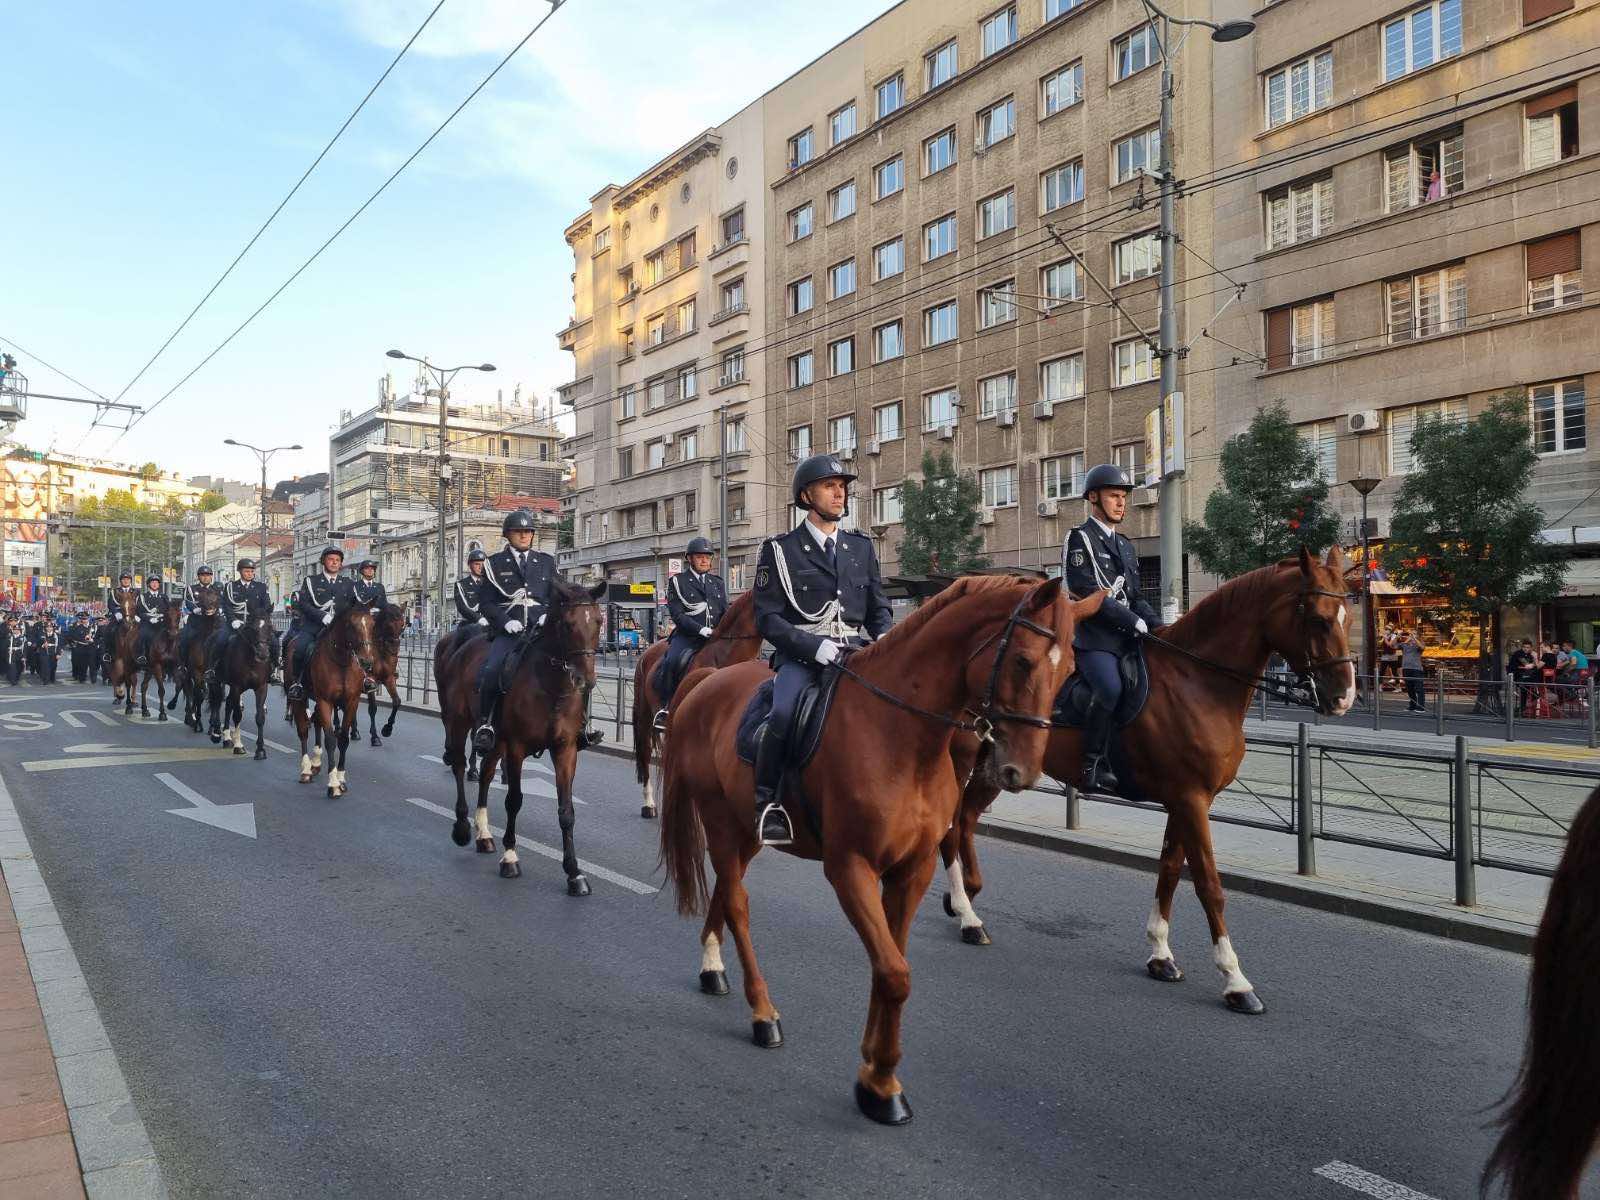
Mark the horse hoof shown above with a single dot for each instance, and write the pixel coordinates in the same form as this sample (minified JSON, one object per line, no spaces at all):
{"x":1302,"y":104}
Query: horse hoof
{"x":975,"y":935}
{"x":161,"y":714}
{"x":1164,"y":969}
{"x":1247,"y":1003}
{"x":648,"y":812}
{"x":577,"y":886}
{"x":460,"y":833}
{"x":949,"y":909}
{"x":261,"y":753}
{"x":333,"y":793}
{"x":767,"y":1034}
{"x":216,"y":739}
{"x":240,"y":750}
{"x":485,"y":845}
{"x":305,"y":779}
{"x":510,"y":870}
{"x":376,"y":740}
{"x":714,"y":983}
{"x":885,"y":1110}
{"x":472,"y":776}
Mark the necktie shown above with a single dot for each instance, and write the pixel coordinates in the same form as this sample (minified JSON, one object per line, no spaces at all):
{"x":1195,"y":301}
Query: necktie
{"x":827,"y":548}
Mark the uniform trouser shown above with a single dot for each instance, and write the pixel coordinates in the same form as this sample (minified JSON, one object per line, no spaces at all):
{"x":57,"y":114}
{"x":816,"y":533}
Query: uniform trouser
{"x":14,"y":668}
{"x":489,"y":674}
{"x":681,"y":648}
{"x":1104,"y":675}
{"x":794,"y":676}
{"x":301,"y":642}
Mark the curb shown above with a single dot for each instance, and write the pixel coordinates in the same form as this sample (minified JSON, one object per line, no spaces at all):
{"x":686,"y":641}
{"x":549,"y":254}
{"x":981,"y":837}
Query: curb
{"x":1310,"y":892}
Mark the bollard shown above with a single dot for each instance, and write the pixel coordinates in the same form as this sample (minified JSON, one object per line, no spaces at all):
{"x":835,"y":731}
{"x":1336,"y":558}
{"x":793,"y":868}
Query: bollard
{"x":1466,"y":883}
{"x":1593,"y":743}
{"x":1263,"y":694}
{"x":1377,"y":702}
{"x":1074,"y":815}
{"x":1511,"y":709}
{"x":1438,"y":726}
{"x":1302,"y":802}
{"x":619,"y":704}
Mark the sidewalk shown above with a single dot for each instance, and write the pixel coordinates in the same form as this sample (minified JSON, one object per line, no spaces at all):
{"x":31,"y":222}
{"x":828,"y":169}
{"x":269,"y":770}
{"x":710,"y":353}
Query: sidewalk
{"x":1426,"y":742}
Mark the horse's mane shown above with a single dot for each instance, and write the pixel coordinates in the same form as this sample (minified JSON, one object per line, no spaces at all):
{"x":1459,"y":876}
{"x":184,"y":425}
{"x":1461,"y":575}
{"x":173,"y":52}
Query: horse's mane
{"x":567,"y":592}
{"x":1223,"y":608}
{"x":965,"y":586}
{"x":723,"y":631}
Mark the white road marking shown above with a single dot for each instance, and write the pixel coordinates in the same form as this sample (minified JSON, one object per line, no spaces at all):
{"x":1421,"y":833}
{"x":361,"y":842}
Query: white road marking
{"x":588,"y":868}
{"x":535,"y":787}
{"x":53,"y":696}
{"x":1367,"y":1183}
{"x":70,"y":716}
{"x":235,"y":818}
{"x":120,"y":760}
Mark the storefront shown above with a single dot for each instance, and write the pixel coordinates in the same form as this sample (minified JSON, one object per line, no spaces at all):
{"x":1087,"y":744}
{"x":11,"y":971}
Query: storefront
{"x":1575,"y":616}
{"x":1451,"y":640}
{"x":631,"y":614}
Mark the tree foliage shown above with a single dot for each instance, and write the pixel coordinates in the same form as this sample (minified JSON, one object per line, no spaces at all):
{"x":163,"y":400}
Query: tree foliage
{"x":1271,"y":502}
{"x":564,"y":532}
{"x":139,"y":542}
{"x":940,"y":517}
{"x":210,"y":502}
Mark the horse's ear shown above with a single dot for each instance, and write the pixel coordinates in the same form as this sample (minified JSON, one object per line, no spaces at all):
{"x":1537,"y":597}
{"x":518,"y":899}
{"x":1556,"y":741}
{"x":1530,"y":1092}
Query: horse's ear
{"x":1305,"y":560}
{"x":598,"y":590}
{"x":1044,"y":595}
{"x":1336,"y":559}
{"x":1084,"y":609}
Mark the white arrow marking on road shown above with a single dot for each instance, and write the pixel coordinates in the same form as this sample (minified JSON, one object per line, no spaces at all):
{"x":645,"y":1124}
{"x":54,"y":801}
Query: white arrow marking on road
{"x":70,"y":716}
{"x":538,"y":787}
{"x":588,"y":868}
{"x":235,"y":818}
{"x":126,"y":758}
{"x":1367,"y":1183}
{"x":52,"y":696}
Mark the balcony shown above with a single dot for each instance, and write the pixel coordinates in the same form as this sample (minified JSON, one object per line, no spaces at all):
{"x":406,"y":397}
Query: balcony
{"x":729,"y":255}
{"x":733,"y":310}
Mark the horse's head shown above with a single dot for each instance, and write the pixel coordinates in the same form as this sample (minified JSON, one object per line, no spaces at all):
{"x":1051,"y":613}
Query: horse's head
{"x":174,"y":618}
{"x":127,"y":602}
{"x":574,"y":628}
{"x":209,"y":599}
{"x":357,"y":632}
{"x":392,"y":622}
{"x":1308,"y":623}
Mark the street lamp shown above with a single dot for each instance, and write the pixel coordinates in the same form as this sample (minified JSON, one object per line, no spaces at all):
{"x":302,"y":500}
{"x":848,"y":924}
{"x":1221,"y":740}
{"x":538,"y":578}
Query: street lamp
{"x":263,"y":455}
{"x":1365,"y":484}
{"x":442,"y":376}
{"x":1171,"y":492}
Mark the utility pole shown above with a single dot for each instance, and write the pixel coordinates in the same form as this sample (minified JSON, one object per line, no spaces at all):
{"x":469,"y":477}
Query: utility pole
{"x":264,"y":454}
{"x":722,"y":472}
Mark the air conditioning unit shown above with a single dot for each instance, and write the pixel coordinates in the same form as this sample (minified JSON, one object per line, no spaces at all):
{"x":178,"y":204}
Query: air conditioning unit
{"x":986,"y":517}
{"x":666,"y":439}
{"x":847,"y":453}
{"x":1146,"y":496}
{"x":874,"y":447}
{"x":979,"y":147}
{"x":1045,"y":410}
{"x":1008,"y":418}
{"x":947,"y":432}
{"x":1047,"y":508}
{"x":1366,"y":421}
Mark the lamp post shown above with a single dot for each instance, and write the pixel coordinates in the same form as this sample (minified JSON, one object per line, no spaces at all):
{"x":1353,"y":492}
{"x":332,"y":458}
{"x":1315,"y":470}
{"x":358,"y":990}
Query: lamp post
{"x":1365,"y":484}
{"x":442,"y":376}
{"x":263,"y":455}
{"x":1171,"y":491}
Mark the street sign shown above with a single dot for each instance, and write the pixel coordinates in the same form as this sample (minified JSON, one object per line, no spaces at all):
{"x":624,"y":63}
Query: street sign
{"x":642,"y":589}
{"x":336,"y":535}
{"x":1152,"y":448}
{"x":1172,"y":433}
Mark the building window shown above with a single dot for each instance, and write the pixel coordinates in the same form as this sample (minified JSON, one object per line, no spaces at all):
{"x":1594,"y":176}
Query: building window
{"x":997,"y":122}
{"x":656,"y":454}
{"x":939,"y":238}
{"x":997,"y":394}
{"x":1061,"y":478}
{"x":602,"y":240}
{"x":1558,"y":417}
{"x":1299,"y":212}
{"x":1403,"y":423}
{"x":889,"y":259}
{"x":655,"y":329}
{"x":1555,"y":274}
{"x":627,"y":343}
{"x":842,"y":124}
{"x":688,"y":447}
{"x":888,"y":342}
{"x":1299,"y":88}
{"x":939,"y":152}
{"x":688,"y":383}
{"x":999,"y":486}
{"x":800,"y":222}
{"x":886,"y":426}
{"x":889,"y":177}
{"x":939,"y":324}
{"x":1427,"y":304}
{"x":735,"y":443}
{"x":1538,"y":10}
{"x":940,"y":408}
{"x":940,"y":65}
{"x":1322,"y":439}
{"x":685,"y":318}
{"x":998,"y":31}
{"x":842,"y":433}
{"x":886,"y":505}
{"x":842,"y":201}
{"x":733,"y":226}
{"x":1550,"y":127}
{"x":842,"y":356}
{"x":1137,"y":257}
{"x":997,"y":304}
{"x":842,"y":279}
{"x":1060,"y":90}
{"x":1129,"y":456}
{"x":655,"y":394}
{"x":1300,"y":333}
{"x":800,"y":149}
{"x":1061,"y":186}
{"x":997,"y":214}
{"x":1132,"y":362}
{"x":625,"y":404}
{"x":799,"y":443}
{"x":689,"y":501}
{"x":1138,"y":152}
{"x":891,"y":95}
{"x":1133,"y":52}
{"x":731,"y":295}
{"x":625,"y":462}
{"x":1062,"y":281}
{"x":1061,"y":379}
{"x":732,"y":367}
{"x":801,"y":369}
{"x":1056,"y":8}
{"x":800,"y":296}
{"x":1421,"y":38}
{"x":1427,"y":169}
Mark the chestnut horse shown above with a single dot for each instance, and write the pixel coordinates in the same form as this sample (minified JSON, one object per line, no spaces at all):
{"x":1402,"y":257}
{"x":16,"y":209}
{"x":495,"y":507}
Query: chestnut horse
{"x":734,"y":641}
{"x":246,"y":666}
{"x":339,"y":671}
{"x":161,"y":663}
{"x":190,"y":677}
{"x":986,"y":654}
{"x":391,"y":623}
{"x":1187,"y":743}
{"x":541,"y":709}
{"x":125,"y":654}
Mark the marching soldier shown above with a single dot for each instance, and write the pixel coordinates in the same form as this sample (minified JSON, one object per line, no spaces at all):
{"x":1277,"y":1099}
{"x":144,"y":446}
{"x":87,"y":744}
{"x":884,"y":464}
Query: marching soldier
{"x":817,"y":588}
{"x":368,"y":591}
{"x":191,"y":605}
{"x":696,"y":600}
{"x":515,"y":597}
{"x":79,"y":641}
{"x":14,"y":645}
{"x":322,"y":595}
{"x":1096,"y":556}
{"x":150,"y":612}
{"x":240,"y":597}
{"x":468,"y":587}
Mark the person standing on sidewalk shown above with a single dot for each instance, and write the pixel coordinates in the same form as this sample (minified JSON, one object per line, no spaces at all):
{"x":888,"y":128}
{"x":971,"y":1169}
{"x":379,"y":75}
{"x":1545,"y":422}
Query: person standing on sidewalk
{"x":1389,"y":660}
{"x":1411,"y":669}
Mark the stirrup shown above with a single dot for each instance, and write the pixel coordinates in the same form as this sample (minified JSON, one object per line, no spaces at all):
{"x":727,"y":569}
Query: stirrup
{"x":660,"y":722}
{"x":590,"y":738}
{"x":1097,"y":777}
{"x":773,"y":827}
{"x":484,"y":738}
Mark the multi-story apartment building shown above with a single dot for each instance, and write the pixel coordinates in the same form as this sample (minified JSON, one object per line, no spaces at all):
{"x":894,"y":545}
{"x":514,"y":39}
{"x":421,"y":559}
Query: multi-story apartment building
{"x":1408,"y":193}
{"x":668,"y":308}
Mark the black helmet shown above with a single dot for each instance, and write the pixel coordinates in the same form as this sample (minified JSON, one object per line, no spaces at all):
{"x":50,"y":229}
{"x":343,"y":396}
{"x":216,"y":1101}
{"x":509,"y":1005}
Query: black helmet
{"x":202,"y":570}
{"x":125,"y":575}
{"x":1106,"y":475}
{"x":476,"y":554}
{"x":153,"y":576}
{"x":327,"y":550}
{"x":521,"y":519}
{"x":815,"y":468}
{"x":700,"y":545}
{"x":365,"y":563}
{"x":246,"y":564}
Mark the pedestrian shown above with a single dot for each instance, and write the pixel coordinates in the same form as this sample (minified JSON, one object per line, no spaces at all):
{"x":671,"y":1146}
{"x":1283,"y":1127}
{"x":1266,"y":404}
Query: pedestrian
{"x":1411,"y":668}
{"x":1577,"y":662}
{"x":1389,"y":661}
{"x":1522,"y":666}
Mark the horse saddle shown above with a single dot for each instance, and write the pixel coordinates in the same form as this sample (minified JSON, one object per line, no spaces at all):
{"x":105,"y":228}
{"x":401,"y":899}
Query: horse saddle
{"x":669,"y":673}
{"x":1072,"y":705}
{"x":810,"y":717}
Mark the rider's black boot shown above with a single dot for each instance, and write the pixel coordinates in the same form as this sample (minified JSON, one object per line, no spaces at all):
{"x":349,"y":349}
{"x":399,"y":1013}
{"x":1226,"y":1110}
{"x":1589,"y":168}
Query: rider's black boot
{"x":772,"y":822}
{"x":590,"y":735}
{"x":1097,"y":775}
{"x":484,"y":737}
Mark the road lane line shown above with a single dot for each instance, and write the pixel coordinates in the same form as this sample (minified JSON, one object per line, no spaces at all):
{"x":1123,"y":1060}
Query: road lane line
{"x":588,"y":868}
{"x":539,"y":787}
{"x":1367,"y":1183}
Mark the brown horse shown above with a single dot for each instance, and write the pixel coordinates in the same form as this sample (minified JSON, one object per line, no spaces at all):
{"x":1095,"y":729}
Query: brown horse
{"x":1188,"y":741}
{"x":987,"y":654}
{"x":391,"y":623}
{"x":160,"y":663}
{"x":125,"y":654}
{"x":542,"y":709}
{"x":1552,"y":1114}
{"x":340,"y":670}
{"x":246,"y":666}
{"x":190,"y":677}
{"x":734,"y":641}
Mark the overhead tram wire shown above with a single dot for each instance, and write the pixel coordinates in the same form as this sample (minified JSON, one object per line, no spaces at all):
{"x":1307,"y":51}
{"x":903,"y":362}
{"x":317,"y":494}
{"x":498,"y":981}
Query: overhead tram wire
{"x":555,"y":7}
{"x":29,"y":354}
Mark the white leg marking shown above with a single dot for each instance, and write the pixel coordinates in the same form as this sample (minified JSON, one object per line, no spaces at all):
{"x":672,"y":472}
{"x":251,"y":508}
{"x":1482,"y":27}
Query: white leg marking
{"x":650,"y":791}
{"x":711,"y":953}
{"x":1155,"y":932}
{"x":1228,"y":963}
{"x":510,"y":856}
{"x":958,"y":897}
{"x":305,"y":764}
{"x":1366,"y":1182}
{"x":482,"y":819}
{"x":316,"y":757}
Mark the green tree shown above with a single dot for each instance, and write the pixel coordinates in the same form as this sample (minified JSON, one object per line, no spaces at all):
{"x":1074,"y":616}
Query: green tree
{"x":564,"y":532}
{"x":149,"y":471}
{"x":210,"y":502}
{"x":1271,"y":502}
{"x":111,"y":533}
{"x":1463,"y":526}
{"x":940,"y":515}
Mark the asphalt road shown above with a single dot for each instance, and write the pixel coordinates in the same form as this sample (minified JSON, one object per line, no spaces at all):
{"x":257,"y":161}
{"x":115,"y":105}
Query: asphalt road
{"x":347,"y":1004}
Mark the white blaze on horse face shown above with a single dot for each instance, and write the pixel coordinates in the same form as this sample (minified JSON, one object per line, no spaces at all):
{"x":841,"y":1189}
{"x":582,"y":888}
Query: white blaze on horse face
{"x":1055,"y":656}
{"x":1347,"y":698}
{"x":1228,"y":963}
{"x":1342,"y":617}
{"x":1156,"y":930}
{"x":959,"y":900}
{"x":481,"y":817}
{"x":711,"y":953}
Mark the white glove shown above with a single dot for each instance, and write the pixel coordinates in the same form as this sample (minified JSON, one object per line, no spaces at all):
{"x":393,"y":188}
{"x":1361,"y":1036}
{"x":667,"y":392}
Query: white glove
{"x":373,"y":611}
{"x":237,"y":624}
{"x":327,"y":618}
{"x":483,"y":620}
{"x":116,"y":616}
{"x":1140,"y":627}
{"x":153,"y":618}
{"x":827,"y":652}
{"x":514,"y":627}
{"x":707,"y":631}
{"x":539,"y":624}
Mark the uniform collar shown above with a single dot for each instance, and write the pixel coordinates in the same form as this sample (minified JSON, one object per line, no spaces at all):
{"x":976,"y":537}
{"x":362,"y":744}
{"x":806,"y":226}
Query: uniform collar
{"x":1104,"y":528}
{"x":818,"y":536}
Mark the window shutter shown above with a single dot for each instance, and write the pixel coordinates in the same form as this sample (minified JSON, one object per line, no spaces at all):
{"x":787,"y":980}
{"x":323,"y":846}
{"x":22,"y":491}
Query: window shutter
{"x":1280,"y":338}
{"x":1554,"y":255}
{"x":1538,"y":10}
{"x":1551,"y":101}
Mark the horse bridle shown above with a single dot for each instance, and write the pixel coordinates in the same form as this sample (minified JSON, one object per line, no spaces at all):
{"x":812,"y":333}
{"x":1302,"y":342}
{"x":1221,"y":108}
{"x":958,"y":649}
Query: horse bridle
{"x":564,"y":659}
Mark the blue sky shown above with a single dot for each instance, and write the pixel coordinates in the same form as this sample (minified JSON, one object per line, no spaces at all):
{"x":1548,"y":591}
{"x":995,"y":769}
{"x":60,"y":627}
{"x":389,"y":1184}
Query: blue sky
{"x":143,"y":144}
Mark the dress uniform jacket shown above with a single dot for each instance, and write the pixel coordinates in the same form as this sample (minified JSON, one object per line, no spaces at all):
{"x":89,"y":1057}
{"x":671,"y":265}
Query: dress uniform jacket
{"x":191,"y":598}
{"x":466,"y":594}
{"x":319,"y":595}
{"x":695,"y":601}
{"x":369,"y":595}
{"x":240,"y":599}
{"x":150,"y":604}
{"x":1091,"y":560}
{"x":801,"y":601}
{"x":512,"y":593}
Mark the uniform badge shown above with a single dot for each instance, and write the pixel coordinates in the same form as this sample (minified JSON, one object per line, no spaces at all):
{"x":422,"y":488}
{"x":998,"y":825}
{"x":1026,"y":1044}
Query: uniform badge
{"x":1077,"y":558}
{"x":763,"y":576}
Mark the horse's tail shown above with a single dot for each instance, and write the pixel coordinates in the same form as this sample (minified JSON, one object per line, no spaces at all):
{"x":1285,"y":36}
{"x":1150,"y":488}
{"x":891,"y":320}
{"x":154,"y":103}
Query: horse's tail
{"x":1552,"y":1113}
{"x":644,"y":725}
{"x":683,"y":837}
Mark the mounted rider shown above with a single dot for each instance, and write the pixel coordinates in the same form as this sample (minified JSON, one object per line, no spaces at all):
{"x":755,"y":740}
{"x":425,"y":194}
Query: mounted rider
{"x":467,"y":589}
{"x":515,"y":596}
{"x":241,"y":597}
{"x":150,"y":612}
{"x":817,"y":589}
{"x":322,"y":595}
{"x":1096,"y":556}
{"x":191,"y":608}
{"x":107,"y":633}
{"x":368,"y":591}
{"x":696,"y":602}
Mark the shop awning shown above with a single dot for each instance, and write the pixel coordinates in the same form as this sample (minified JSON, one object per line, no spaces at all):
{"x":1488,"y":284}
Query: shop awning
{"x":1583,"y":578}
